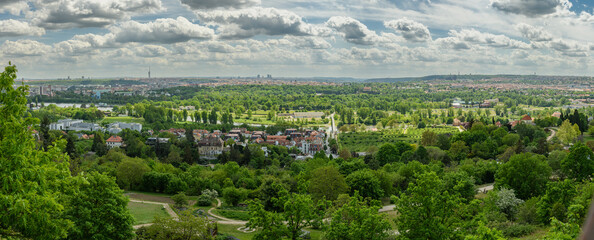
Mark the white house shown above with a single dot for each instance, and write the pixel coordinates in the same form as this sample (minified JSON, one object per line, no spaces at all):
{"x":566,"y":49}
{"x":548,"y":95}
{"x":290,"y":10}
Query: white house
{"x":114,"y":141}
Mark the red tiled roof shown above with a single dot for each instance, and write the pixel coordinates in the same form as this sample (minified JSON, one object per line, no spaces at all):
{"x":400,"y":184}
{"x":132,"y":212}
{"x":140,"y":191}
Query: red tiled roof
{"x":527,"y":118}
{"x":114,"y":139}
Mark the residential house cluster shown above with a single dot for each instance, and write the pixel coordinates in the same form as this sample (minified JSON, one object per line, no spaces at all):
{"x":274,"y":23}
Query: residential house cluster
{"x":489,"y":103}
{"x":307,"y":141}
{"x":211,"y":144}
{"x":179,"y":132}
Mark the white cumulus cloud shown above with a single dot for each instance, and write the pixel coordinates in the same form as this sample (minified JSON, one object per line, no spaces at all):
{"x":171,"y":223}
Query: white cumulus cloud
{"x":531,"y":8}
{"x":212,"y":4}
{"x":246,"y":23}
{"x":352,"y":30}
{"x":411,"y":31}
{"x":24,"y":48}
{"x":535,"y":34}
{"x":12,"y":28}
{"x":163,"y":30}
{"x":61,"y":14}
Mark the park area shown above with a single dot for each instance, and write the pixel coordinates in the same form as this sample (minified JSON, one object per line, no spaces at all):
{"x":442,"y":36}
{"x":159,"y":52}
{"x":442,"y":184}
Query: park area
{"x":361,"y":141}
{"x":145,"y":212}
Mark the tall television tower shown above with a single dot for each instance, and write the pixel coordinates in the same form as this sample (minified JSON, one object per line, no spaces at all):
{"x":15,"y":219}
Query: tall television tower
{"x":149,"y":72}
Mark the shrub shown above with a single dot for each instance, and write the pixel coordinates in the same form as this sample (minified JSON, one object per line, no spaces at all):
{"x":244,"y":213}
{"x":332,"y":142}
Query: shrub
{"x":206,"y":198}
{"x":518,"y":230}
{"x":180,"y":200}
{"x":527,"y":212}
{"x":204,"y":201}
{"x":234,"y":196}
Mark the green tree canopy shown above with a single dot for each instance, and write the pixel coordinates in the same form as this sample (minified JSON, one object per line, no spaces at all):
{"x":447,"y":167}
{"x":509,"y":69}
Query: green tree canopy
{"x":579,"y":163}
{"x":327,"y":182}
{"x":129,"y":172}
{"x":388,"y":153}
{"x":427,"y":210}
{"x":567,"y":133}
{"x":357,"y":220}
{"x":366,"y":183}
{"x":526,"y":173}
{"x":99,"y":210}
{"x":270,"y":224}
{"x":32,"y":180}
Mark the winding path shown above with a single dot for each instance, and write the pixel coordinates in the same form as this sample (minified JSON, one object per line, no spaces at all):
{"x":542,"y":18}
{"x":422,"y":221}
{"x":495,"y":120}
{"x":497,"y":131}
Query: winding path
{"x":553,"y":133}
{"x":224,"y":220}
{"x":387,"y":208}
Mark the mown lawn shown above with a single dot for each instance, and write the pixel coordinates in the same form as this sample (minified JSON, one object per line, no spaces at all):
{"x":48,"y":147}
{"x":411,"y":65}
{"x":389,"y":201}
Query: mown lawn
{"x":233,"y":214}
{"x":145,"y":213}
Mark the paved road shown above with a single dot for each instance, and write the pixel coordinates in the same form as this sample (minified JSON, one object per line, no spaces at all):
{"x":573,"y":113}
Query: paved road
{"x":332,"y":133}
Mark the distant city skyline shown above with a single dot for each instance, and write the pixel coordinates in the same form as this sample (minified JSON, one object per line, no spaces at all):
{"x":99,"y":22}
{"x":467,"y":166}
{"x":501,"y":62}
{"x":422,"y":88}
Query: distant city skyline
{"x":49,"y":39}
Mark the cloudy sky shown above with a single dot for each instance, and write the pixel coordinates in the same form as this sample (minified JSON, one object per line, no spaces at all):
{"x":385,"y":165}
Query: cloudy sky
{"x":296,"y":38}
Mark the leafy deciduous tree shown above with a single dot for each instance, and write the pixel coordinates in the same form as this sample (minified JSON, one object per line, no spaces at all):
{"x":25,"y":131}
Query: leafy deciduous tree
{"x":579,"y":163}
{"x":328,"y":183}
{"x":427,"y":210}
{"x":366,"y":183}
{"x":99,"y":210}
{"x":32,"y":180}
{"x":526,"y":173}
{"x":356,"y":220}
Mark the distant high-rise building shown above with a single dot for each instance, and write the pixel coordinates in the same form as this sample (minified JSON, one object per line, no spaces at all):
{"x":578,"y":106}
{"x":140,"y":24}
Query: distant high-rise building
{"x":149,"y":73}
{"x":258,"y":76}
